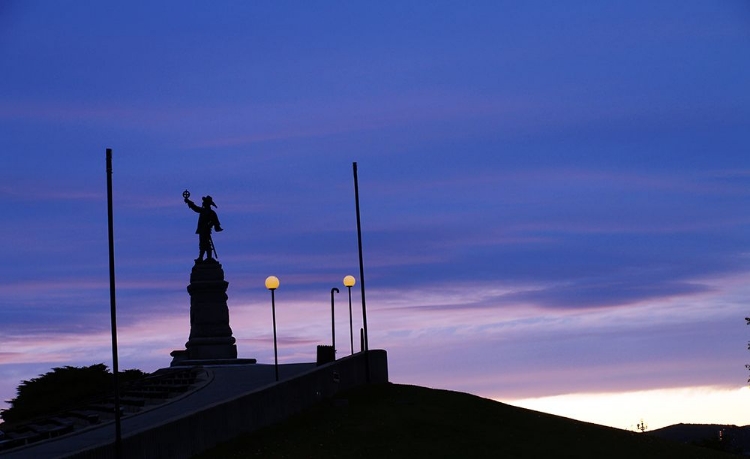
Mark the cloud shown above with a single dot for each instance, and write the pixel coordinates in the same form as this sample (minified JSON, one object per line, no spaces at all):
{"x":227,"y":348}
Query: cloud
{"x":504,"y":352}
{"x":601,"y":294}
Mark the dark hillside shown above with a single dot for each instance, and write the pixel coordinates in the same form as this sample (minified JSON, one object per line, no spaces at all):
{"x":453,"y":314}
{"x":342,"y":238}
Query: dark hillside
{"x":727,"y":438}
{"x":398,"y":421}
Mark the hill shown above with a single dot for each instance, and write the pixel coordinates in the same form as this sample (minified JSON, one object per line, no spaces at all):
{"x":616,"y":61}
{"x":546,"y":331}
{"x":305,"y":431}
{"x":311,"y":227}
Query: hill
{"x":400,"y":421}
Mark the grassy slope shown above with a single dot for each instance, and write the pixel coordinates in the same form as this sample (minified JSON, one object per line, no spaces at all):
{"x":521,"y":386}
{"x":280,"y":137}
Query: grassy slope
{"x":392,"y":421}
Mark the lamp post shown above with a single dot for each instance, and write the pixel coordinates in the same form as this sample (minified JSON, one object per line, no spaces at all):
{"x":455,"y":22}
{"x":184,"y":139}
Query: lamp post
{"x":349,"y":282}
{"x":272,"y":283}
{"x":333,"y":324}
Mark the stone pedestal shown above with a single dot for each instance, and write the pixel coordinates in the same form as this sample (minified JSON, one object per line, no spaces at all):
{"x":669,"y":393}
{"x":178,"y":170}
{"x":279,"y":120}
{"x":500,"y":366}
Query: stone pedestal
{"x":210,"y":335}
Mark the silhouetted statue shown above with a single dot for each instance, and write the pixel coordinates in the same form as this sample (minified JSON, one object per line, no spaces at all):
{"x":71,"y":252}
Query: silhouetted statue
{"x":206,"y":221}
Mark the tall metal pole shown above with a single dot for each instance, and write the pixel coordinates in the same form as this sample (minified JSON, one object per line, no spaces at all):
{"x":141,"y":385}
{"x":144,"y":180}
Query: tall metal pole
{"x":333,"y":323}
{"x":361,"y":271}
{"x":351,"y":329}
{"x":113,"y":308}
{"x":275,"y":353}
{"x":361,"y":263}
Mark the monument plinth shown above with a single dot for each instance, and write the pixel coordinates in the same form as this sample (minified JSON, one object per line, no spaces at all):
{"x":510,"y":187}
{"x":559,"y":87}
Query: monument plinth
{"x":210,"y":334}
{"x":211,"y":339}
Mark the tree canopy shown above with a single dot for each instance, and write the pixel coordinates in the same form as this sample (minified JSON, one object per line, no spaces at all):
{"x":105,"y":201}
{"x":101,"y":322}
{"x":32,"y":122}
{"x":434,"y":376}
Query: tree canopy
{"x":62,"y":388}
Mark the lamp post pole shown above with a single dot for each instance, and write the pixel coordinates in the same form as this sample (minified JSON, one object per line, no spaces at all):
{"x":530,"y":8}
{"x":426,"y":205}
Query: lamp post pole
{"x":333,"y":323}
{"x":349,"y":282}
{"x":272,"y":283}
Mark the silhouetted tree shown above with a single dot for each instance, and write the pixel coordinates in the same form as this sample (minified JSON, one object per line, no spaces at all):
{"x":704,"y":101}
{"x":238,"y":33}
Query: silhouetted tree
{"x":62,"y":388}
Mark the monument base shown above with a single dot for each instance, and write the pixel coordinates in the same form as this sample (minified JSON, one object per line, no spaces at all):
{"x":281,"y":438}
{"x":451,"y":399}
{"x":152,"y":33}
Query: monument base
{"x":211,"y":341}
{"x":205,"y":355}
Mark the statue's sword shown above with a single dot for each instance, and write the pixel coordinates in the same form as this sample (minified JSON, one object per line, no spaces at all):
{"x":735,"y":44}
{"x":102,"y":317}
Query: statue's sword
{"x":210,"y":239}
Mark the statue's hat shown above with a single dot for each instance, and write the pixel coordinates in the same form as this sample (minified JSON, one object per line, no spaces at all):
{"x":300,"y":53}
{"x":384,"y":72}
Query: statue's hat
{"x":209,"y":200}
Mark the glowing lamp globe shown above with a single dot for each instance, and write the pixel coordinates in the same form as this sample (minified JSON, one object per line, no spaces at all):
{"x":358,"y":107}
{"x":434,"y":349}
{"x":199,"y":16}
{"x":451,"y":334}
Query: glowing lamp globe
{"x":272,"y":282}
{"x":349,"y":281}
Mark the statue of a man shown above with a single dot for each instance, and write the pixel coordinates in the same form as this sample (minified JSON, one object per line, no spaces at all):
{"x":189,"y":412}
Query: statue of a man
{"x":206,"y":221}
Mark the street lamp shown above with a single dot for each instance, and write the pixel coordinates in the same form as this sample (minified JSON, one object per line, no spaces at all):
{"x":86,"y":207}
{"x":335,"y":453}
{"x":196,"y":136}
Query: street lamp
{"x":272,"y":283}
{"x":349,"y":282}
{"x":333,"y":324}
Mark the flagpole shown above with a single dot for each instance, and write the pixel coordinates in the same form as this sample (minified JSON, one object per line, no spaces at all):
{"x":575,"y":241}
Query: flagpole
{"x":113,"y":309}
{"x":361,"y":274}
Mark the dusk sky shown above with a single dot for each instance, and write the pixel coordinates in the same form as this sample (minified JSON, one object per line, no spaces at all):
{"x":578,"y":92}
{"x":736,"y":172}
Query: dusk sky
{"x":555,"y":195}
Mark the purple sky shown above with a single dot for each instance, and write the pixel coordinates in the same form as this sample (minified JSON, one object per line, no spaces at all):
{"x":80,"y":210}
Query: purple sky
{"x":555,"y":195}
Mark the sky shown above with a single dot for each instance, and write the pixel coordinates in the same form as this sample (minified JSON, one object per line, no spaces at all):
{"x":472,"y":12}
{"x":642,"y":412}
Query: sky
{"x":555,"y":196}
